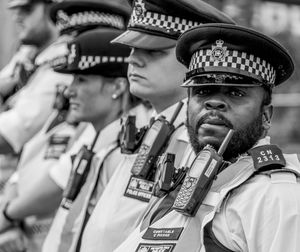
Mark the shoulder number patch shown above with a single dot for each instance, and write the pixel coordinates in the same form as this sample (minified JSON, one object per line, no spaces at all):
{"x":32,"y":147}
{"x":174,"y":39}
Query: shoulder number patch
{"x":267,"y":155}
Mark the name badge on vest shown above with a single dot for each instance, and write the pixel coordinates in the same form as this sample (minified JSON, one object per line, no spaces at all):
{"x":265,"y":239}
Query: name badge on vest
{"x":57,"y":145}
{"x":146,"y":247}
{"x":139,"y":189}
{"x":162,"y":233}
{"x":267,"y":155}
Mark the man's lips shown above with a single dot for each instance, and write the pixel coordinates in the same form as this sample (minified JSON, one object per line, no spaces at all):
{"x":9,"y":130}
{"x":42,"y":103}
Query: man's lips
{"x":214,"y":121}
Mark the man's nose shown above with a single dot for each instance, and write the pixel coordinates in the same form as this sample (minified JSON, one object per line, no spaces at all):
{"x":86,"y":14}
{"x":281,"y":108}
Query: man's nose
{"x":215,"y":104}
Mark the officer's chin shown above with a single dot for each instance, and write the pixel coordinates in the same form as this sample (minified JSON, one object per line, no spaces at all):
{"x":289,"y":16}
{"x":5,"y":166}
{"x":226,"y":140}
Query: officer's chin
{"x":212,"y":134}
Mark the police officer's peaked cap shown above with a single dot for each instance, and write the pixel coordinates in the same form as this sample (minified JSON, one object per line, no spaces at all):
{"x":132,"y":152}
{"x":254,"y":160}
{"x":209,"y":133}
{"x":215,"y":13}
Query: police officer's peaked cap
{"x":92,"y":53}
{"x":20,"y":3}
{"x":225,"y":54}
{"x":69,"y":15}
{"x":157,"y":24}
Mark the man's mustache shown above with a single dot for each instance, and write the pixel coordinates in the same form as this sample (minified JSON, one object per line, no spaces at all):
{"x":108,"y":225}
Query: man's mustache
{"x":216,"y":115}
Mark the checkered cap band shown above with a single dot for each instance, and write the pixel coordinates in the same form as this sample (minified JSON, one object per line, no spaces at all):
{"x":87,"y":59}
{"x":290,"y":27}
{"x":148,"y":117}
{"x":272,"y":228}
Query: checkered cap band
{"x":164,"y":22}
{"x":235,"y":60}
{"x":87,"y":61}
{"x":64,"y":21}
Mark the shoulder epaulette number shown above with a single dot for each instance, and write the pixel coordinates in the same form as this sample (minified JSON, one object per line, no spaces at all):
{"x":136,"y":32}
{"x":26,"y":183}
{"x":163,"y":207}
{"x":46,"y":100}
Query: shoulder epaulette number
{"x":267,"y":157}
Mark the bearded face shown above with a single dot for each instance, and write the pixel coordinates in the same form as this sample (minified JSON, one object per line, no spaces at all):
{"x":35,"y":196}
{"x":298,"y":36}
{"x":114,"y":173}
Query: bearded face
{"x":212,"y":111}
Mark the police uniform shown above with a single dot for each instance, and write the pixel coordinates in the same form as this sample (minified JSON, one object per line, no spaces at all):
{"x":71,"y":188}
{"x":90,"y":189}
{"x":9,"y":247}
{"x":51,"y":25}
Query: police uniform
{"x":87,"y":57}
{"x":16,"y":73}
{"x":153,"y":25}
{"x":31,"y":106}
{"x":43,"y":150}
{"x":123,"y":203}
{"x":40,"y":154}
{"x":252,"y":203}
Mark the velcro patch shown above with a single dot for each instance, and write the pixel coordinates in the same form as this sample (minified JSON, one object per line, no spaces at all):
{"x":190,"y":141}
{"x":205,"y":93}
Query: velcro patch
{"x":162,"y":233}
{"x":147,"y":247}
{"x":267,"y":155}
{"x":57,"y":145}
{"x":139,"y":189}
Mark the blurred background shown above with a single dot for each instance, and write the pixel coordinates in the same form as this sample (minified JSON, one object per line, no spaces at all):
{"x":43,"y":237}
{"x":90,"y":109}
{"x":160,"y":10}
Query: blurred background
{"x":278,"y":18}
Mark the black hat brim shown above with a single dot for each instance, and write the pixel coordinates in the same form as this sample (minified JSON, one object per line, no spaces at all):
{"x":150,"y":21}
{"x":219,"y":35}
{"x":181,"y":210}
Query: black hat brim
{"x":85,"y":5}
{"x":143,"y":40}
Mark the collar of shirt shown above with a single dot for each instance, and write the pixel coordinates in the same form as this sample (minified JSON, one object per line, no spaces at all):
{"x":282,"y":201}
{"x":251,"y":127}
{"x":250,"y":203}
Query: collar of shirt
{"x":168,"y":113}
{"x":263,"y":141}
{"x":143,"y":115}
{"x":108,"y":135}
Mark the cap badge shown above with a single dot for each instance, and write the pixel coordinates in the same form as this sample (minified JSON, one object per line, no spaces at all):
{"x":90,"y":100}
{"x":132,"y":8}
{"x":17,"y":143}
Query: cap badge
{"x":139,"y":9}
{"x":62,"y":17}
{"x":218,"y":52}
{"x":221,"y":78}
{"x":72,"y":54}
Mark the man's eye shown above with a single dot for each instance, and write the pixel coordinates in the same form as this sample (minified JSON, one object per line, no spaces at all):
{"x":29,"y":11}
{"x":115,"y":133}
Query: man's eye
{"x":202,"y":91}
{"x":236,"y":93}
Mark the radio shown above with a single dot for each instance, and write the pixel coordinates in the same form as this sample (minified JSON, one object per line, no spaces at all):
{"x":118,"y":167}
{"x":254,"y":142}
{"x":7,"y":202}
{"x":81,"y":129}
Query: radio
{"x":199,"y":178}
{"x":130,"y":136}
{"x":167,"y":177}
{"x":79,"y":173}
{"x":165,"y":174}
{"x":153,"y":142}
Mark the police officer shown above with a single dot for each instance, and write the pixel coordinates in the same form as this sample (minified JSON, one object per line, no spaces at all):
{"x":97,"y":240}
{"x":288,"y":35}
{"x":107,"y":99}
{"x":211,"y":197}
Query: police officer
{"x":34,"y":32}
{"x":43,"y":151}
{"x":31,"y":106}
{"x":155,"y":76}
{"x":251,"y":205}
{"x":30,"y":20}
{"x":98,"y":91}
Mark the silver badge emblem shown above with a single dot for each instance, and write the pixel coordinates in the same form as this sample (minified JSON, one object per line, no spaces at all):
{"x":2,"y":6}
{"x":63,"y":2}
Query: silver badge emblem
{"x":139,"y":9}
{"x":72,"y":54}
{"x":218,"y":52}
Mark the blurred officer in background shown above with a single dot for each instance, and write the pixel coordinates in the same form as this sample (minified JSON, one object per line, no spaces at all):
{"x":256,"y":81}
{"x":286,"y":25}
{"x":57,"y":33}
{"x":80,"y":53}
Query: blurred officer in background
{"x":154,"y":75}
{"x":16,"y":73}
{"x":35,"y":201}
{"x":30,"y":107}
{"x":23,"y":111}
{"x":34,"y":32}
{"x":46,"y":145}
{"x":245,"y":197}
{"x":44,"y":150}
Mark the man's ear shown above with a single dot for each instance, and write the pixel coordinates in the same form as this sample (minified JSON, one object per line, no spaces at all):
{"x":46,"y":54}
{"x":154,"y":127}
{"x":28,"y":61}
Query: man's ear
{"x":267,"y":116}
{"x":120,"y":86}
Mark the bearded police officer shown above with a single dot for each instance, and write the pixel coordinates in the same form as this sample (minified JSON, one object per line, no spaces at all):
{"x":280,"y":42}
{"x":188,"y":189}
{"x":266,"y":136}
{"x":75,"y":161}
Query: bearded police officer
{"x":240,"y":193}
{"x":154,"y":75}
